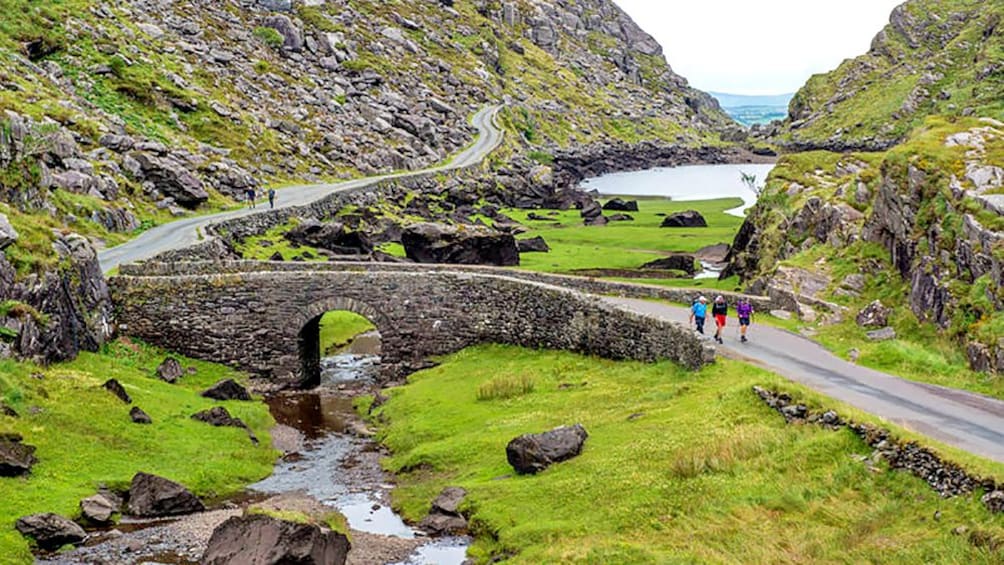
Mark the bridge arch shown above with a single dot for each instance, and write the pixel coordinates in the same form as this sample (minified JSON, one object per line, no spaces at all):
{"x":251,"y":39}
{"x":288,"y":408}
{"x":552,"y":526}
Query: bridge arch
{"x":308,"y":338}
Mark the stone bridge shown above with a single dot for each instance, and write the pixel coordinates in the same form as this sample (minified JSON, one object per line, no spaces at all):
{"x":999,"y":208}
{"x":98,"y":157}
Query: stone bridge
{"x":263,"y":317}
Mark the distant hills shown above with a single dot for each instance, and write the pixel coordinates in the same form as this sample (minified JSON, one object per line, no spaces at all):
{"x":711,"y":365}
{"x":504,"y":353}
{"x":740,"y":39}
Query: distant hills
{"x":749,"y":110}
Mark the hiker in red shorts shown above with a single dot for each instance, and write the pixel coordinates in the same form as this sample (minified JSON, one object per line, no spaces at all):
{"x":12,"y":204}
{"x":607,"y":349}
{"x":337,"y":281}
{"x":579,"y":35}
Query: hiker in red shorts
{"x":720,"y":311}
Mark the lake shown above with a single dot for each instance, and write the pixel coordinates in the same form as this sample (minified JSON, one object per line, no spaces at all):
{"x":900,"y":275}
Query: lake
{"x":694,"y":182}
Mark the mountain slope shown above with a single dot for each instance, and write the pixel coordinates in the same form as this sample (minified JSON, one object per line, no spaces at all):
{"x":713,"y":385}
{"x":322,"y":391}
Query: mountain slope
{"x":936,"y":57}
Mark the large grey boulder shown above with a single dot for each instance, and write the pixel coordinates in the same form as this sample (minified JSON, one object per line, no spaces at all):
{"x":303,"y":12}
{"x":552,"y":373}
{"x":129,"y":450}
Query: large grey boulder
{"x":686,"y":219}
{"x":444,"y":517}
{"x":170,"y":370}
{"x":97,"y":509}
{"x":16,"y":458}
{"x":227,"y":389}
{"x":151,"y":496}
{"x":684,"y":263}
{"x":332,"y":236}
{"x":8,"y":235}
{"x":50,"y":531}
{"x":532,"y":453}
{"x":171,"y":178}
{"x":533,"y":245}
{"x":291,"y":35}
{"x":440,"y":243}
{"x":263,"y":540}
{"x":620,"y":205}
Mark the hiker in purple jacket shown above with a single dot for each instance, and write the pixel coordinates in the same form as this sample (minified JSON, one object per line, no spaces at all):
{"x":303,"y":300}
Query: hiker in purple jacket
{"x":745,"y":312}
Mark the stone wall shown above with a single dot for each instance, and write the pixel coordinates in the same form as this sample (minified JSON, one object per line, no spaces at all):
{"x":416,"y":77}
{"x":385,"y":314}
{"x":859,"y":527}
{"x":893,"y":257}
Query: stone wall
{"x":582,"y":284}
{"x":262,"y":317}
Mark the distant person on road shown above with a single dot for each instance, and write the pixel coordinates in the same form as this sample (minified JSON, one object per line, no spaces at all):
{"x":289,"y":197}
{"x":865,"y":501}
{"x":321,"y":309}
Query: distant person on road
{"x":698,"y":312}
{"x":720,"y":311}
{"x":250,"y":195}
{"x":271,"y":198}
{"x":744,"y":310}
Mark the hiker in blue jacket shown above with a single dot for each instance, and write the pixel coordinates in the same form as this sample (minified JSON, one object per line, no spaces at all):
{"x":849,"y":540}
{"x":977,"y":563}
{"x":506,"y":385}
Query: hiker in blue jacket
{"x":698,"y":312}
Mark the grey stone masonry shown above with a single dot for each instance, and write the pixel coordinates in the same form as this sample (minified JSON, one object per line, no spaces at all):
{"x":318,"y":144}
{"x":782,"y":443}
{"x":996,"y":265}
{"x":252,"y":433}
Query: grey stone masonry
{"x":263,"y":317}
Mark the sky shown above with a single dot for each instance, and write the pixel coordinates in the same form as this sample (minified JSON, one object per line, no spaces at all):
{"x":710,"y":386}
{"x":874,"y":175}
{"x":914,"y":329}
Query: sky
{"x":762,"y":46}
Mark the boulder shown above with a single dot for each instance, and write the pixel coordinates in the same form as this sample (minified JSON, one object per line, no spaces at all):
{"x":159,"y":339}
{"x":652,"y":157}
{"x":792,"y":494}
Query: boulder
{"x":227,"y":389}
{"x":262,"y":539}
{"x":470,"y":245}
{"x":50,"y":531}
{"x":171,"y":178}
{"x":448,"y":501}
{"x":220,"y":417}
{"x":597,"y":221}
{"x":151,"y":496}
{"x":97,"y":509}
{"x":292,"y":37}
{"x":687,"y":219}
{"x":591,"y":210}
{"x":331,"y":236}
{"x":532,"y":453}
{"x":620,"y":218}
{"x":8,"y":235}
{"x":684,"y":263}
{"x":619,"y":205}
{"x":875,"y":315}
{"x":533,"y":245}
{"x":138,"y":416}
{"x":16,"y":458}
{"x":170,"y":370}
{"x":116,"y":388}
{"x":444,"y":517}
{"x":884,"y":334}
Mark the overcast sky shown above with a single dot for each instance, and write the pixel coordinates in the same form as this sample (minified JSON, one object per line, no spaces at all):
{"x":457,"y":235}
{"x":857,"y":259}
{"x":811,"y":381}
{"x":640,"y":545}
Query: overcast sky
{"x":759,"y":47}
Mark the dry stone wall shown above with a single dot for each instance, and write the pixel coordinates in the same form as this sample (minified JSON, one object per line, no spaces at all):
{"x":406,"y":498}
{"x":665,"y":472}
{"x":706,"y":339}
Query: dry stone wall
{"x":262,"y":317}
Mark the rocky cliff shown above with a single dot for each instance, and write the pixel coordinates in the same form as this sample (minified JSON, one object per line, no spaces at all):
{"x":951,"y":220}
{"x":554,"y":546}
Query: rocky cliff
{"x":936,"y":57}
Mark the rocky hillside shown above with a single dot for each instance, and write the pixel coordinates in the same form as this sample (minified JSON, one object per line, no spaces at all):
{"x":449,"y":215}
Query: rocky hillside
{"x":936,"y":57}
{"x":120,"y":116}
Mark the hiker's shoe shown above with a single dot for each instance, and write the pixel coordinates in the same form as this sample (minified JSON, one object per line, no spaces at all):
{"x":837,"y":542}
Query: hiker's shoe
{"x":743,"y":339}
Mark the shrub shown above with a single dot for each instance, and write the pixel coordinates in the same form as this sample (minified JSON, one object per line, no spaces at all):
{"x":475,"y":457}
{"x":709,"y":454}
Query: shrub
{"x":504,"y":388}
{"x":269,"y":36}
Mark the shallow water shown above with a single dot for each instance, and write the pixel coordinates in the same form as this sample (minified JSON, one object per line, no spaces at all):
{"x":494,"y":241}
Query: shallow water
{"x":694,"y":182}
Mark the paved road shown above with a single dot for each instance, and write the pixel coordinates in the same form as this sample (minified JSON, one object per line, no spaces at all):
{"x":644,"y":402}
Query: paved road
{"x":183,"y":233}
{"x":961,"y":419}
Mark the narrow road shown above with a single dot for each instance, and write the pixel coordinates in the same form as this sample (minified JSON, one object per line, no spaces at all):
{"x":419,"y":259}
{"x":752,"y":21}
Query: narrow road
{"x":185,"y":232}
{"x":961,"y":419}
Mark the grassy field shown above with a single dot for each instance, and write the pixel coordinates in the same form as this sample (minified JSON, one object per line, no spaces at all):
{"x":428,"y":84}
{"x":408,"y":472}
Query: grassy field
{"x":85,"y":438}
{"x":624,"y":245}
{"x":679,"y":467}
{"x":338,"y":329}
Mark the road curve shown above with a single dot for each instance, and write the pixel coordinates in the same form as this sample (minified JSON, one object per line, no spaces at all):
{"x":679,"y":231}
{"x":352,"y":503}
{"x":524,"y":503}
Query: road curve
{"x":966,"y":420}
{"x":185,"y":232}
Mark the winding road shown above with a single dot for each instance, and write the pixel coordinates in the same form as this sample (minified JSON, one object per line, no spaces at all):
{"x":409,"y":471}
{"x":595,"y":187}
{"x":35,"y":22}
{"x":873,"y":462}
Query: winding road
{"x":185,"y":232}
{"x":966,"y":420}
{"x":961,"y":419}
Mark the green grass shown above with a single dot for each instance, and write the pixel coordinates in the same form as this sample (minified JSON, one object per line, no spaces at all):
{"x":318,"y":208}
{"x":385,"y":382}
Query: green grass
{"x":339,"y":328}
{"x":624,"y":245}
{"x":680,"y":467}
{"x":85,"y":438}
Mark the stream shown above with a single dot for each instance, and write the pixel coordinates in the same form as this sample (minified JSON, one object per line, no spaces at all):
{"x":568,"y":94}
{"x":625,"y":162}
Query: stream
{"x":330,"y":459}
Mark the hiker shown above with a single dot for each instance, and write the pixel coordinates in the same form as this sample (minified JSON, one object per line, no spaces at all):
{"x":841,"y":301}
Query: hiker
{"x":720,"y":311}
{"x":271,"y":198}
{"x":744,"y":310}
{"x":698,"y":312}
{"x":250,"y":194}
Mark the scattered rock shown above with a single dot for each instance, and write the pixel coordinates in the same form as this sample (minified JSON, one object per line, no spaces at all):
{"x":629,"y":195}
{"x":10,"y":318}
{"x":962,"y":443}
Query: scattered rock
{"x":448,"y":501}
{"x":994,"y":501}
{"x":8,"y":234}
{"x":620,"y":218}
{"x":139,"y":416}
{"x":151,"y":496}
{"x":687,"y":219}
{"x":533,"y":245}
{"x":97,"y":510}
{"x":332,"y":236}
{"x":875,"y":315}
{"x":884,"y":334}
{"x":532,"y":453}
{"x":220,"y":417}
{"x":263,"y":539}
{"x":8,"y":411}
{"x":619,"y":205}
{"x":116,"y":388}
{"x":170,"y":370}
{"x":171,"y":178}
{"x":444,"y":517}
{"x":227,"y":389}
{"x":16,"y":458}
{"x":50,"y":531}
